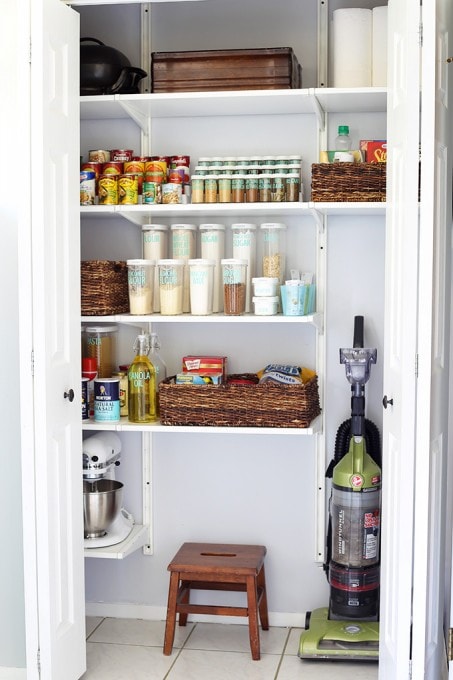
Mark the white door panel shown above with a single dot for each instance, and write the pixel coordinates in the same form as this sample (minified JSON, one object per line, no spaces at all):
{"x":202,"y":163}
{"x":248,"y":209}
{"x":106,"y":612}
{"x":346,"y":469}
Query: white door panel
{"x":56,"y":338}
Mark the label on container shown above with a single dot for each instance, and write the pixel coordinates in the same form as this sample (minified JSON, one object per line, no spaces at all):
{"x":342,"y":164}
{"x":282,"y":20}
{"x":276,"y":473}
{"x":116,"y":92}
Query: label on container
{"x":106,"y":399}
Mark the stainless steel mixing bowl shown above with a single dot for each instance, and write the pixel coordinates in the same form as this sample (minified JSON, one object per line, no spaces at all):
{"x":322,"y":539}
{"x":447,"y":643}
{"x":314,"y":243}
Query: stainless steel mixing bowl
{"x":102,"y":500}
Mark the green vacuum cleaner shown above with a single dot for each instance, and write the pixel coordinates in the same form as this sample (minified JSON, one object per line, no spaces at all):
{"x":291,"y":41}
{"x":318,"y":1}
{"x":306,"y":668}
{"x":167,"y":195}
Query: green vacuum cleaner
{"x":349,"y":627}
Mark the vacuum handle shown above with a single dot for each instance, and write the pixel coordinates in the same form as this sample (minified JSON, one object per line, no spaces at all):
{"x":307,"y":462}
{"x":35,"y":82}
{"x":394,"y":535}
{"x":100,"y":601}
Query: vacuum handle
{"x":358,"y":332}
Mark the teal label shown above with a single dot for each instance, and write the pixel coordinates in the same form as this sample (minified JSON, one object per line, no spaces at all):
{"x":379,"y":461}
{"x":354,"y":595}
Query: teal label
{"x":106,"y":410}
{"x":136,"y":277}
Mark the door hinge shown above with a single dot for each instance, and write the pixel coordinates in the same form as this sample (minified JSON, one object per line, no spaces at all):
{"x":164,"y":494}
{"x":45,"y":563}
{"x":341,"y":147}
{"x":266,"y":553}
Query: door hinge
{"x":420,"y":35}
{"x":416,"y":365}
{"x":38,"y":661}
{"x":32,"y":363}
{"x":450,"y":644}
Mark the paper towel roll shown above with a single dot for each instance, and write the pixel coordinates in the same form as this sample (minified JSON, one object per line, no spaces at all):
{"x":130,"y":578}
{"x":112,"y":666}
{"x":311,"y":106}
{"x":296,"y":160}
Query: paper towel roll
{"x":379,"y":47}
{"x":352,"y":35}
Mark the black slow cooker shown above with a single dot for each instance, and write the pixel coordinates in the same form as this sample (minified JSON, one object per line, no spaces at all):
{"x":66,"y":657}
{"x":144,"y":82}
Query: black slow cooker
{"x":106,"y":70}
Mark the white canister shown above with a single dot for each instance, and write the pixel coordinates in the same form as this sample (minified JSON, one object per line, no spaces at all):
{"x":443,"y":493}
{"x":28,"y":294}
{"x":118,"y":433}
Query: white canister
{"x":244,"y":248}
{"x":201,"y":274}
{"x":212,"y":245}
{"x":184,"y":246}
{"x":155,"y":247}
{"x":171,"y":286}
{"x":266,"y":306}
{"x":140,"y":281}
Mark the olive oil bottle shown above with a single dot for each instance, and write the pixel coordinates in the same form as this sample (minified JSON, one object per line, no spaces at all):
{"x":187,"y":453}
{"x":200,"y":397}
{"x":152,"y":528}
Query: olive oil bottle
{"x":142,"y":384}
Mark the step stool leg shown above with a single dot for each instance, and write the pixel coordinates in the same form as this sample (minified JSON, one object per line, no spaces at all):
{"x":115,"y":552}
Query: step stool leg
{"x":171,"y":613}
{"x":184,"y":599}
{"x":264,"y":616}
{"x":252,"y":606}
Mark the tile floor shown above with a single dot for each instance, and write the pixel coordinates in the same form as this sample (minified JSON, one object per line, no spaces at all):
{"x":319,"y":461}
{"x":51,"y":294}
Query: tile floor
{"x":130,"y":649}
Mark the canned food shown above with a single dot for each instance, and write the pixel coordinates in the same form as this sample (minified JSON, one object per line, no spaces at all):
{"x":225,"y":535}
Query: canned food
{"x":95,"y":167}
{"x":128,"y":189}
{"x":121,"y":155}
{"x":112,"y":168}
{"x":87,"y":187}
{"x":134,"y":166}
{"x":158,"y":168}
{"x":181,"y":163}
{"x":152,"y":192}
{"x":108,"y":189}
{"x":99,"y":155}
{"x":171,"y":192}
{"x":106,"y":399}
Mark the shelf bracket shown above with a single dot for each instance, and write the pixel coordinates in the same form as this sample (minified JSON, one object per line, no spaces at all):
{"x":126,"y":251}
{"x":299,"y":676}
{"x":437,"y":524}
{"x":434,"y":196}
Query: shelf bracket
{"x":318,"y":218}
{"x":317,"y":109}
{"x":136,"y":115}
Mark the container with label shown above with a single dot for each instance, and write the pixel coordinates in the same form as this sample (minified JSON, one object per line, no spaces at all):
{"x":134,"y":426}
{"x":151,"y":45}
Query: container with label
{"x":171,"y":275}
{"x":234,"y":276}
{"x":238,"y":188}
{"x":87,"y":187}
{"x":140,"y":279}
{"x":122,"y":375}
{"x":197,"y":185}
{"x":201,"y":273}
{"x":184,"y":246}
{"x":244,"y":247}
{"x":90,"y":372}
{"x":142,"y":403}
{"x":121,"y":155}
{"x":274,"y":249}
{"x":155,"y":247}
{"x":99,"y":155}
{"x":108,"y":189}
{"x":212,"y":242}
{"x":265,"y":306}
{"x":101,"y":344}
{"x":106,"y":400}
{"x":128,"y":189}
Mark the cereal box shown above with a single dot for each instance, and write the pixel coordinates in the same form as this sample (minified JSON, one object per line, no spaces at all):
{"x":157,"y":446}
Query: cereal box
{"x":374,"y":150}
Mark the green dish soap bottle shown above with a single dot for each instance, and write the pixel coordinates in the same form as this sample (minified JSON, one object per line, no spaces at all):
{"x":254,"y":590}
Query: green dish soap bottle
{"x":142,"y":384}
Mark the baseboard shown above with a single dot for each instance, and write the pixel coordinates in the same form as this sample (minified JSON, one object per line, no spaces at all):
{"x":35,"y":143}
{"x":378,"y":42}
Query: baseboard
{"x":13,"y":673}
{"x":149,"y":613}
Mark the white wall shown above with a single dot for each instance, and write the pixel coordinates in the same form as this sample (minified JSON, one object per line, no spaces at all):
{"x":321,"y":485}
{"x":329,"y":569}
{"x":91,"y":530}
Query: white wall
{"x":13,"y":30}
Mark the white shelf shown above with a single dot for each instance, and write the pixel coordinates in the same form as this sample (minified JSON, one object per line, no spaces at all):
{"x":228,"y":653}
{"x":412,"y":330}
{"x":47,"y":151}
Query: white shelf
{"x":314,"y":319}
{"x":138,"y":538}
{"x":125,"y":426}
{"x":233,"y":103}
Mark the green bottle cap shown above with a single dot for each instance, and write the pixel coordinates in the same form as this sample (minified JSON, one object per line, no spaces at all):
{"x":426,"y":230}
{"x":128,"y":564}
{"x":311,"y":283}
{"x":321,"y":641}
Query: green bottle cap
{"x":343,"y":129}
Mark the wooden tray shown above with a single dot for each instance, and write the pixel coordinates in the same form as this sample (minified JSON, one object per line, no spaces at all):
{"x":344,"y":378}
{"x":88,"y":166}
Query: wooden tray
{"x":207,"y":70}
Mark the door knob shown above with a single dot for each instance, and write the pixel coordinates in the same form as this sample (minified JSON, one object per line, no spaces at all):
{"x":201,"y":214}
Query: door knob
{"x":386,"y":402}
{"x":69,"y":395}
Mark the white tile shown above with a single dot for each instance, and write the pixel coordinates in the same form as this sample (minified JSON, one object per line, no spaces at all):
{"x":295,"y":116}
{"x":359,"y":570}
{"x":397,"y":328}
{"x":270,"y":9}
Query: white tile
{"x":292,"y":646}
{"x":235,"y":638}
{"x":91,"y":623}
{"x":123,"y":662}
{"x":293,"y":668}
{"x":193,"y":664}
{"x":138,"y":632}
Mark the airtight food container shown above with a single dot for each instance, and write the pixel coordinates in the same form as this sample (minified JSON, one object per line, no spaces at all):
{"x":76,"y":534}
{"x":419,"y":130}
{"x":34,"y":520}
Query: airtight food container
{"x":265,"y":306}
{"x":265,"y":286}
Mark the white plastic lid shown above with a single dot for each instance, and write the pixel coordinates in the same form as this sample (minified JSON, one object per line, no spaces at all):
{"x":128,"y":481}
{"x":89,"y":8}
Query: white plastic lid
{"x":140,"y":262}
{"x":219,"y":227}
{"x":233,"y":260}
{"x":243,"y":225}
{"x":265,"y":279}
{"x":170,"y":263}
{"x":101,"y":329}
{"x":191,"y":227}
{"x":265,"y":298}
{"x":273,"y":225}
{"x":155,"y":227}
{"x":201,"y":261}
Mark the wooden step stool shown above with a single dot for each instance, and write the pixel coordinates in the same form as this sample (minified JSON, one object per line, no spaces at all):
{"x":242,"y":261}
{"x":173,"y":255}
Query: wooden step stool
{"x":217,"y":566}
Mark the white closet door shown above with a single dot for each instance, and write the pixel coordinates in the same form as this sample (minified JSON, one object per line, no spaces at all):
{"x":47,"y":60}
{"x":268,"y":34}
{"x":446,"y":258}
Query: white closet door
{"x":431,"y":523}
{"x":56,"y":338}
{"x":398,"y":437}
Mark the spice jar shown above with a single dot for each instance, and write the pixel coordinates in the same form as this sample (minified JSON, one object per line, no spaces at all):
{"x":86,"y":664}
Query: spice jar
{"x":292,"y":186}
{"x":155,"y":247}
{"x":198,"y":188}
{"x":238,"y":188}
{"x":251,"y":188}
{"x":225,"y":188}
{"x":265,"y":188}
{"x":212,"y":241}
{"x":244,"y":247}
{"x":234,"y":276}
{"x":274,"y":249}
{"x":210,"y":188}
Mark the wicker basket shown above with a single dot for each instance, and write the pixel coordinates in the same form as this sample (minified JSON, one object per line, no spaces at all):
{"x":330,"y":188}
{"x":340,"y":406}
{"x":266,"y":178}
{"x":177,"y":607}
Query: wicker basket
{"x":104,"y":287}
{"x":260,"y":405}
{"x":348,"y":182}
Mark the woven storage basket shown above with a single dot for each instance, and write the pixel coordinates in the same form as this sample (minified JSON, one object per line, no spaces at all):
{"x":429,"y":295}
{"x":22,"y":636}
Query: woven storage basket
{"x":261,"y":405}
{"x":104,"y":287}
{"x":348,"y":182}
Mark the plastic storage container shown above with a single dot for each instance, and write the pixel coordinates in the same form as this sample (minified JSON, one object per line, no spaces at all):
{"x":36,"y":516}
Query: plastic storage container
{"x":274,"y":249}
{"x":244,"y":248}
{"x":100,"y":343}
{"x":234,"y":276}
{"x":266,"y":306}
{"x":265,"y":286}
{"x":184,"y":244}
{"x":212,"y":247}
{"x":155,"y":247}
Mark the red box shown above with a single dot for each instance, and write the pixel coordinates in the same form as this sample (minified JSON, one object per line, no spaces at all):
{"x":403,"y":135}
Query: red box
{"x":204,"y":364}
{"x":374,"y":150}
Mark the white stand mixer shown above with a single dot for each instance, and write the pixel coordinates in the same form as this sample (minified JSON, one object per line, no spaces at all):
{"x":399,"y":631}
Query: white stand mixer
{"x":101,"y":453}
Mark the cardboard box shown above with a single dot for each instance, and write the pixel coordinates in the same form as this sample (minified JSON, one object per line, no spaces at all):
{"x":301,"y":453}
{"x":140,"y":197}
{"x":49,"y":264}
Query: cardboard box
{"x":204,"y":364}
{"x":374,"y":150}
{"x":199,"y":378}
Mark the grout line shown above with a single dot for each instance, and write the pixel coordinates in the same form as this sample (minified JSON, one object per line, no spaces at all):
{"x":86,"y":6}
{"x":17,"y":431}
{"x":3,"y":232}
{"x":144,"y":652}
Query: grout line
{"x":179,"y":652}
{"x":95,"y":629}
{"x":282,"y":654}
